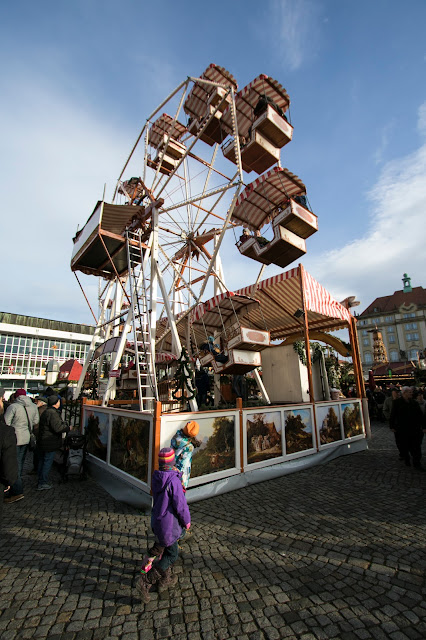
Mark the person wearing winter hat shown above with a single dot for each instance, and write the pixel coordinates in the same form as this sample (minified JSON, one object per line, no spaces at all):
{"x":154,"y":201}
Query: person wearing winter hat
{"x":49,"y":439}
{"x":183,"y":442}
{"x":22,"y":415}
{"x":170,"y":514}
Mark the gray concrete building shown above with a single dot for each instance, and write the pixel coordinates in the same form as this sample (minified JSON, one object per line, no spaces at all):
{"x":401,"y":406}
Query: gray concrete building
{"x":27,"y":344}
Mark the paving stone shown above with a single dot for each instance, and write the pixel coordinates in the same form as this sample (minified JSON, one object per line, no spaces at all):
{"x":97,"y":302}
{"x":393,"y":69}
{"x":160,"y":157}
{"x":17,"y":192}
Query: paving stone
{"x":342,"y":564}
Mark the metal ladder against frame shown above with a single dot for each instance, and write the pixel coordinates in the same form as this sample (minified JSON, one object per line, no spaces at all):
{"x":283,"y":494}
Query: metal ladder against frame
{"x":144,"y":361}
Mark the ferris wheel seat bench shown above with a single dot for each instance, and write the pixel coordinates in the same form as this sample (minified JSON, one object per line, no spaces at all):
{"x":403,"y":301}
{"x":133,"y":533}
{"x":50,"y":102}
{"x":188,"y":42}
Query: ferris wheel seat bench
{"x":282,"y":250}
{"x":239,"y":362}
{"x":168,"y":164}
{"x":273,"y":127}
{"x":174,"y":148}
{"x":257,"y":155}
{"x":214,"y":132}
{"x":218,"y":98}
{"x":298,"y":220}
{"x":228,"y":151}
{"x":247,"y":338}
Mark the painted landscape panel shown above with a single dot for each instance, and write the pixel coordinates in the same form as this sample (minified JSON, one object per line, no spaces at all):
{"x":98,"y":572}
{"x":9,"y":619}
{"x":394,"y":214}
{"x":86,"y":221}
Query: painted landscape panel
{"x":298,"y":430}
{"x":130,"y":446}
{"x":96,"y":430}
{"x":217,"y":449}
{"x":352,"y":420}
{"x":263,"y":436}
{"x":329,"y":424}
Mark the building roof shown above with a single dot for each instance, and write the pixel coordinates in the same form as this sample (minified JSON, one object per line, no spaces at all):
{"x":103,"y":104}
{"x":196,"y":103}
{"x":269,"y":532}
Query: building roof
{"x":392,"y":303}
{"x":44,"y":323}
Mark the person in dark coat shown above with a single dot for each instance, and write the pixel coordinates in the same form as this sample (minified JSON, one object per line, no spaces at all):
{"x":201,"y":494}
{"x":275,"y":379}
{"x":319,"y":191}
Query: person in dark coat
{"x":41,"y":404}
{"x":170,"y":515}
{"x":8,"y":459}
{"x":408,"y":423}
{"x":49,"y":440}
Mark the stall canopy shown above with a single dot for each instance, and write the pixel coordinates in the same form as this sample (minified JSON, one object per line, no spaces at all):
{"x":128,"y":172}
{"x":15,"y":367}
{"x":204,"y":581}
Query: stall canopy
{"x":271,"y":304}
{"x":280,"y":299}
{"x":262,"y":197}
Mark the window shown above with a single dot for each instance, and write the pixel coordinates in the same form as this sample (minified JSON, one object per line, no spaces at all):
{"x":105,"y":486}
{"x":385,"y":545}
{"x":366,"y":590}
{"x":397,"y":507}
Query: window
{"x":376,"y":309}
{"x":368,"y":358}
{"x":366,"y":342}
{"x":391,"y":339}
{"x":361,"y":323}
{"x":411,"y":325}
{"x":409,"y":315}
{"x":394,"y":356}
{"x":413,"y":354}
{"x":388,"y":318}
{"x":364,"y":332}
{"x":391,"y":329}
{"x":412,"y":336}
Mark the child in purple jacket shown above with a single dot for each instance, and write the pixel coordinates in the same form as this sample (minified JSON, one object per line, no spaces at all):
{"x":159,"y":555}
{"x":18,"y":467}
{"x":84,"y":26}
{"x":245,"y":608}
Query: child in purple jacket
{"x":170,"y":514}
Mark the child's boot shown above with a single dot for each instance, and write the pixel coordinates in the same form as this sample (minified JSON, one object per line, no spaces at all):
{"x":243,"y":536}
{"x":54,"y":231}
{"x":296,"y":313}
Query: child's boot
{"x":168,"y":579}
{"x":144,"y":587}
{"x":146,"y":582}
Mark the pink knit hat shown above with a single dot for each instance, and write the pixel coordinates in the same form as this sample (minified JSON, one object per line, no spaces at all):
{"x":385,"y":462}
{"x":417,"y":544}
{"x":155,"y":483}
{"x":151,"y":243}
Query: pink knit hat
{"x":166,"y":458}
{"x":20,"y":392}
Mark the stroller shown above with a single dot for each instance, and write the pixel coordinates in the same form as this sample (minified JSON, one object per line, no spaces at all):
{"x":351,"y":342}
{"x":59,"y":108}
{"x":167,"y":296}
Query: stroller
{"x":74,"y":461}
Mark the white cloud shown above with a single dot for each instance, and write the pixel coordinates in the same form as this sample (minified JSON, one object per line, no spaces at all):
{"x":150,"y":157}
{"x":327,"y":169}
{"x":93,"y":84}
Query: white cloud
{"x":295,"y":21}
{"x":56,"y":156}
{"x":373,"y":263}
{"x":385,"y":136}
{"x":421,"y":122}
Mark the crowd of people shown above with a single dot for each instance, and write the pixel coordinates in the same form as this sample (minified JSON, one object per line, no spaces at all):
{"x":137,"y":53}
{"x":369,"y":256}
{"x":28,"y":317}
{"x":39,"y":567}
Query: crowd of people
{"x":29,"y":425}
{"x":404,"y":409}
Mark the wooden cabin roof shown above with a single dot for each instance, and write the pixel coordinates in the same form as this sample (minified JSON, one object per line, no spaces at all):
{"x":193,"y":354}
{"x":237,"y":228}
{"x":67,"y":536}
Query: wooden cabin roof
{"x":262,"y":197}
{"x":165,"y":124}
{"x":248,"y":97}
{"x":196,"y":102}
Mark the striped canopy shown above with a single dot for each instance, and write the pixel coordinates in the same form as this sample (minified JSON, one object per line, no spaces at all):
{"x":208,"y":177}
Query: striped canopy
{"x":281,"y":296}
{"x":247,"y":99}
{"x":271,"y":305}
{"x":264,"y":195}
{"x":196,"y":103}
{"x":165,"y":124}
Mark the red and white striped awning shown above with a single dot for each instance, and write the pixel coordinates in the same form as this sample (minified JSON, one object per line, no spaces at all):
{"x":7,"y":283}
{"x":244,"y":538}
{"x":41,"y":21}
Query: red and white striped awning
{"x":264,"y":195}
{"x":271,"y":305}
{"x":165,"y":124}
{"x":196,"y":103}
{"x":281,"y":296}
{"x":247,"y":99}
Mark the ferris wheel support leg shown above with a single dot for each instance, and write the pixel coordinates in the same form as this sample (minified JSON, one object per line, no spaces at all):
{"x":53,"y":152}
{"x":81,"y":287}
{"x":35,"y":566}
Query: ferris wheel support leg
{"x":172,"y":323}
{"x":261,"y":386}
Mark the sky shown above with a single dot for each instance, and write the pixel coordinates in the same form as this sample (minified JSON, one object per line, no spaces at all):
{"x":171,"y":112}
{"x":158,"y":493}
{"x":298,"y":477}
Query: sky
{"x":80,"y":78}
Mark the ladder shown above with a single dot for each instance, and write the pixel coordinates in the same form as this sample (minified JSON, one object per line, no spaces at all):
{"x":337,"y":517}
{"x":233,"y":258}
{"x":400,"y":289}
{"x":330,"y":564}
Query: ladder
{"x":143,"y":341}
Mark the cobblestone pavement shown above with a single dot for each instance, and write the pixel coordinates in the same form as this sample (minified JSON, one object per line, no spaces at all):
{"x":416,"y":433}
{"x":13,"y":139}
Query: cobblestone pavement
{"x":333,"y":552}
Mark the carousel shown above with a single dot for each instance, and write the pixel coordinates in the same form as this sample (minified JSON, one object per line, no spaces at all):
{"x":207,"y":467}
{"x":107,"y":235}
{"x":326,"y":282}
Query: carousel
{"x":170,"y":335}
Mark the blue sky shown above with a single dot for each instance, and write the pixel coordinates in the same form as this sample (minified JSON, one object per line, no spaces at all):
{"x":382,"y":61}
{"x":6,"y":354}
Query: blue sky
{"x":79,"y":79}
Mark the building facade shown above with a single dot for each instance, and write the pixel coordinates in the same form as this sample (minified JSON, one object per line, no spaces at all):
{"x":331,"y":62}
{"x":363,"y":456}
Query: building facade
{"x":27,"y":344}
{"x":400,"y":318}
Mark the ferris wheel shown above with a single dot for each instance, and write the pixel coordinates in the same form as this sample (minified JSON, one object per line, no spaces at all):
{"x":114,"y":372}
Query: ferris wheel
{"x":157,"y":245}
